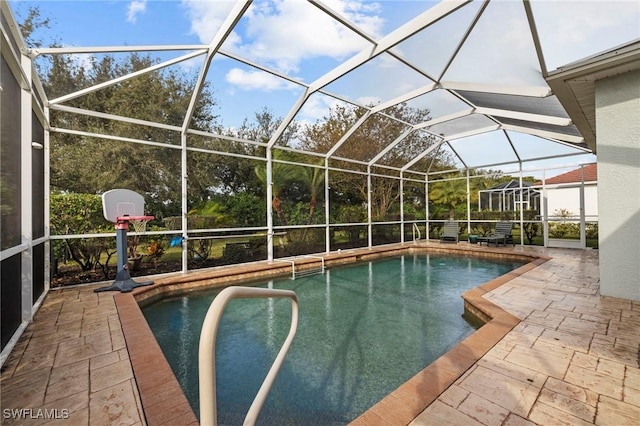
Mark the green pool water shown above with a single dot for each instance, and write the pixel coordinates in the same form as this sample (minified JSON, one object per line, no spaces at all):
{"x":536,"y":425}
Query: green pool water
{"x":363,"y":331}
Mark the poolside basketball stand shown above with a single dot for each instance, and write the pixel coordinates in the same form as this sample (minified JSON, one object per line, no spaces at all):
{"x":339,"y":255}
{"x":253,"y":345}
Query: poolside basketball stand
{"x":123,"y":281}
{"x":122,"y":206}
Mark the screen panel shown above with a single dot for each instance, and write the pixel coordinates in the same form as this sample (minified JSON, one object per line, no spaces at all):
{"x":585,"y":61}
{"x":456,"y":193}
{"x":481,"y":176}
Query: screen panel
{"x":10,"y":297}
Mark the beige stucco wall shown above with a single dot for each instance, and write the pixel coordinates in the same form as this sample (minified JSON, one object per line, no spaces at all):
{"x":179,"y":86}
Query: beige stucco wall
{"x":618,"y":150}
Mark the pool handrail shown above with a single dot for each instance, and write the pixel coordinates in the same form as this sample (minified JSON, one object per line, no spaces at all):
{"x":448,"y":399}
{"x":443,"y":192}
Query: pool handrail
{"x":292,"y":261}
{"x":207,"y":351}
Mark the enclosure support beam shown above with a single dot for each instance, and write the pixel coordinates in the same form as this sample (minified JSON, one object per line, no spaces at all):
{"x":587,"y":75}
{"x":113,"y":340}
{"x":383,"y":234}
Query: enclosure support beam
{"x":521,"y":208}
{"x":47,"y":202}
{"x":427,"y":231}
{"x":269,"y":201}
{"x":583,"y":222}
{"x":183,"y":201}
{"x":401,"y":207}
{"x":26,"y":192}
{"x":468,"y":204}
{"x":327,"y":207}
{"x":369,"y":226}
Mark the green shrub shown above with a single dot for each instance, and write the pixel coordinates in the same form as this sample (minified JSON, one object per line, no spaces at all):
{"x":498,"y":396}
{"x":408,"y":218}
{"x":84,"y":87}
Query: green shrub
{"x":564,"y":230}
{"x":73,"y":213}
{"x":591,"y":231}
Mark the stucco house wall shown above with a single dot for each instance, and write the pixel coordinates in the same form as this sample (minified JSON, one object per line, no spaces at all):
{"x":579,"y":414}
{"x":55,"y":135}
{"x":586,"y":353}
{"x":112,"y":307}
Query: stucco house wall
{"x":618,"y":136}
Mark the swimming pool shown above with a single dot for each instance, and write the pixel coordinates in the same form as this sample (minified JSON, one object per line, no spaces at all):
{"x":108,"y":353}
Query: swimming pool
{"x":363,"y":331}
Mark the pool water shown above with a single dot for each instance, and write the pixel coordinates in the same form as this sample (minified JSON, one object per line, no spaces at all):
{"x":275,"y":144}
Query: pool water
{"x":363,"y":331}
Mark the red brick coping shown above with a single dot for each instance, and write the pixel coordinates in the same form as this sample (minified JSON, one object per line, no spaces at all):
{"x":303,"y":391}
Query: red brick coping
{"x":164,"y":402}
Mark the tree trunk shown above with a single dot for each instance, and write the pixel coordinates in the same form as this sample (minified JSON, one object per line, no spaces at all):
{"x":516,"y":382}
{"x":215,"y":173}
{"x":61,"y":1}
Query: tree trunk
{"x":312,"y":210}
{"x":277,"y":205}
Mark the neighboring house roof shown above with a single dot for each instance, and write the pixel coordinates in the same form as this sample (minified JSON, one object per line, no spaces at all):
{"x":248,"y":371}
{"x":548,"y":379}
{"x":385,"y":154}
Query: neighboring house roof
{"x":510,"y":184}
{"x":590,"y":175}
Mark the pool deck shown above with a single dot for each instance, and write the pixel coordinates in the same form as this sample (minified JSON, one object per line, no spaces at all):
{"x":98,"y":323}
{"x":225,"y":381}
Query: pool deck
{"x":560,"y":354}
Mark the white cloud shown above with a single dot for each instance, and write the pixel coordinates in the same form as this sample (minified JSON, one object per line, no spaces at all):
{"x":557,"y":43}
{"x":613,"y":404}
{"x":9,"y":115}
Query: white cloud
{"x":273,"y":25}
{"x":255,"y":80}
{"x":206,"y":17}
{"x":283,"y":33}
{"x":572,"y":30}
{"x":135,"y":8}
{"x":317,"y":107}
{"x":369,"y":100}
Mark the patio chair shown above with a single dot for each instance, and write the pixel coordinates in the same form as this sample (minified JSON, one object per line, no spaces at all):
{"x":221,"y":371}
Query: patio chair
{"x":501,"y":234}
{"x":450,"y":232}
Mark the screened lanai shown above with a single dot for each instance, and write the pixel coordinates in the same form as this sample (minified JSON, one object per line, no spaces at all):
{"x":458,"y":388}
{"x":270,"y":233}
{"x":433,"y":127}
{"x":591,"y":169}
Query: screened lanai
{"x":263,"y":130}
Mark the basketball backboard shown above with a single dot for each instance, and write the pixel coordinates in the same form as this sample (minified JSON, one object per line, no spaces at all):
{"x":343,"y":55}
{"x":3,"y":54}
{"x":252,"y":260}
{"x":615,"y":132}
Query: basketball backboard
{"x":122,"y":202}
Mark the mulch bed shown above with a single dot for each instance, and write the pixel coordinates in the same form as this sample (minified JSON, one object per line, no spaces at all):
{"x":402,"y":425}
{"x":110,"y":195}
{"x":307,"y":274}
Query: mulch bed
{"x":70,"y":274}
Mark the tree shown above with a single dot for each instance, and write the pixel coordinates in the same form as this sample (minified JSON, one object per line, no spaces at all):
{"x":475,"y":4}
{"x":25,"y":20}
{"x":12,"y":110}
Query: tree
{"x":371,"y":138}
{"x":215,"y":174}
{"x":449,"y":193}
{"x":211,"y":214}
{"x":282,"y":175}
{"x":31,"y":24}
{"x":314,"y":180}
{"x":246,"y":209}
{"x":94,"y":165}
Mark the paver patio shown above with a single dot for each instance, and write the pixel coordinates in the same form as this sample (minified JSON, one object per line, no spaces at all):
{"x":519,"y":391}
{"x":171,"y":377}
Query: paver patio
{"x":572,"y":360}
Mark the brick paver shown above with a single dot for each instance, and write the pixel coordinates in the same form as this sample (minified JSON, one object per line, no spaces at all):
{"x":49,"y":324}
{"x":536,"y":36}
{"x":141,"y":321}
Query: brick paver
{"x":70,"y":367}
{"x":576,"y":353}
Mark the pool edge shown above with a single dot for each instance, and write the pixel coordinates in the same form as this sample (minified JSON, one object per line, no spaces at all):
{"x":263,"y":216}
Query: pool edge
{"x":164,"y":402}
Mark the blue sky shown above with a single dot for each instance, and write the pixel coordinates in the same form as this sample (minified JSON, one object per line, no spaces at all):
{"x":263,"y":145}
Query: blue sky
{"x":292,"y":37}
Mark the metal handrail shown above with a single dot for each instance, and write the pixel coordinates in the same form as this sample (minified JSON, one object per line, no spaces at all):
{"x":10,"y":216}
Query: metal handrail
{"x":207,"y":351}
{"x":317,"y":257}
{"x":416,"y":228}
{"x":292,"y":261}
{"x":293,"y":266}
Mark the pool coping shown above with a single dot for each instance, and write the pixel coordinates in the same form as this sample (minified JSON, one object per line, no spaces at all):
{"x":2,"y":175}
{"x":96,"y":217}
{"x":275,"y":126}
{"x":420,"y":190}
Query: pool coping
{"x":163,"y":400}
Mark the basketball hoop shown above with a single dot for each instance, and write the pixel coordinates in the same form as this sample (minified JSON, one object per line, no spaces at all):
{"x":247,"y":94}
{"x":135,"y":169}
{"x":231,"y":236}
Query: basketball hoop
{"x":139,"y":225}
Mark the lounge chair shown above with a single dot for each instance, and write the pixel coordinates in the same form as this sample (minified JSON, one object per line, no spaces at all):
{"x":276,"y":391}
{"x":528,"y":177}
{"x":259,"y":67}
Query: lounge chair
{"x":502,"y":234}
{"x":450,"y":232}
